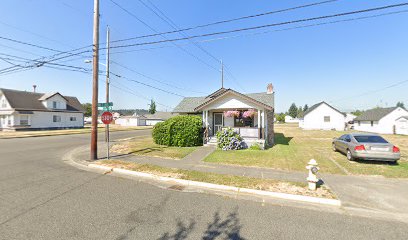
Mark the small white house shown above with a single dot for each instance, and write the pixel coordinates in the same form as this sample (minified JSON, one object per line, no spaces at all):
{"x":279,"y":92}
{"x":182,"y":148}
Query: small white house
{"x":153,"y":119}
{"x":31,"y":110}
{"x":401,"y":125}
{"x":131,"y":121}
{"x":289,"y":119}
{"x":324,"y":117}
{"x":381,"y":120}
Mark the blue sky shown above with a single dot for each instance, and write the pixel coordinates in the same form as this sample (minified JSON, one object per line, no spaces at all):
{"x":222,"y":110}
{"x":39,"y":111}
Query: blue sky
{"x":348,"y":64}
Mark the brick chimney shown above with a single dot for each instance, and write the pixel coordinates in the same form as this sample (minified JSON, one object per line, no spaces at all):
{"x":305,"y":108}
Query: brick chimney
{"x":269,"y":88}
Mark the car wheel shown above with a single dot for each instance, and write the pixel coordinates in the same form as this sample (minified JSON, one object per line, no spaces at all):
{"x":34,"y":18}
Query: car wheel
{"x":334,"y":147}
{"x":349,"y":155}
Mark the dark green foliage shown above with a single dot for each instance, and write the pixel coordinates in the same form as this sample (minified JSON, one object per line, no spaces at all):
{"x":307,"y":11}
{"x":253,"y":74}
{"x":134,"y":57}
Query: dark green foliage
{"x":180,"y":131}
{"x":357,"y":113}
{"x":305,"y":108}
{"x":88,"y":109}
{"x":400,"y":104}
{"x":280,"y":117}
{"x":228,"y":139}
{"x":293,"y":110}
{"x":152,"y":109}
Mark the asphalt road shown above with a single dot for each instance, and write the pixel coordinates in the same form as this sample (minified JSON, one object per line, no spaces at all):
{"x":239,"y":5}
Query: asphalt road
{"x":41,"y":197}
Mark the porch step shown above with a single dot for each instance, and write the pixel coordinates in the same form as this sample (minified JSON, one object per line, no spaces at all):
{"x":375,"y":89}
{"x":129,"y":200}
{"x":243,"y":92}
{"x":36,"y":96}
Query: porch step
{"x":212,"y":141}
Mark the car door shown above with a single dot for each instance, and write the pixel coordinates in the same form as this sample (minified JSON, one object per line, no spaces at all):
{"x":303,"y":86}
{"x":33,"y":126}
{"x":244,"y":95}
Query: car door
{"x":340,"y":143}
{"x":347,"y":142}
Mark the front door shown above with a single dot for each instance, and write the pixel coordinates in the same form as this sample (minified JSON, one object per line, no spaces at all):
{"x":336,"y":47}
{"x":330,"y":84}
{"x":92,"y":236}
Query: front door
{"x":218,"y":122}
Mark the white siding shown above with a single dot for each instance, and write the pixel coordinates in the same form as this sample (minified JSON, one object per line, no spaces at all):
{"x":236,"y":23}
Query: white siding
{"x":131,"y":122}
{"x":231,"y":102}
{"x":401,"y":126}
{"x":315,"y":119}
{"x":61,"y":102}
{"x":45,"y":120}
{"x":152,"y":122}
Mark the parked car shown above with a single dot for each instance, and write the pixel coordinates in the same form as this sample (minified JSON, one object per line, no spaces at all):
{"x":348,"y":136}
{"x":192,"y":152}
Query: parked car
{"x":366,"y":147}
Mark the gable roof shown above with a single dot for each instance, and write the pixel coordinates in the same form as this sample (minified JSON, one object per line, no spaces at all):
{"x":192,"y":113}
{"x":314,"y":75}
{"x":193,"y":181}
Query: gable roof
{"x":403,"y":117}
{"x":22,"y":100}
{"x":160,"y":115}
{"x":375,"y":114}
{"x":312,"y":108}
{"x":194,"y":104}
{"x":50,"y":95}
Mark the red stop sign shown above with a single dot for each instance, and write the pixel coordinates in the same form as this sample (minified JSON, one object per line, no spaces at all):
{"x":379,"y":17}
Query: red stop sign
{"x":107,"y":118}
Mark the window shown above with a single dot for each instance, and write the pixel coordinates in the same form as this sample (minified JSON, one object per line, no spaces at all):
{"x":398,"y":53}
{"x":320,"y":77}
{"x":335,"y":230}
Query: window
{"x":326,"y":118}
{"x":3,"y":120}
{"x":372,"y":123}
{"x":3,"y":103}
{"x":347,"y":138}
{"x":243,"y":122}
{"x":54,"y":104}
{"x":56,"y":118}
{"x":72,"y":119}
{"x":370,"y":139}
{"x":23,"y":120}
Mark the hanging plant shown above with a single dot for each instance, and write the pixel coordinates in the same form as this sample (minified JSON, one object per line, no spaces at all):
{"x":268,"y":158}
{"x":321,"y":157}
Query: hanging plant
{"x":231,"y":113}
{"x":249,"y":114}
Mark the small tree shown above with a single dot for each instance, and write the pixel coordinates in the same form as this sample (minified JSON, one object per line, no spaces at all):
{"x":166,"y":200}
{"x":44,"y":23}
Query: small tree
{"x":305,"y":108}
{"x":293,"y":110}
{"x":300,"y":112}
{"x":152,"y":109}
{"x":280,"y":117}
{"x":88,"y":109}
{"x":400,"y":104}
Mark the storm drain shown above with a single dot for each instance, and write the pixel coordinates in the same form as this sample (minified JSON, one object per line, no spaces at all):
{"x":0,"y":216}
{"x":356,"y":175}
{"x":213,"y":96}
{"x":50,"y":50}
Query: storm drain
{"x":177,"y":187}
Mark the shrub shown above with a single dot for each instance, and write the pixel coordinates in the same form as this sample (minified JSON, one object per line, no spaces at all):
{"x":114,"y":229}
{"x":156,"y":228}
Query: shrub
{"x":255,"y":146}
{"x":228,"y":139}
{"x":180,"y":131}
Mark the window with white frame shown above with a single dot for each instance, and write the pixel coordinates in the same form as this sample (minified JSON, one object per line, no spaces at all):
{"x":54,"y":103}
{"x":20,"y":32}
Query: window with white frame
{"x":56,"y":118}
{"x":54,"y":104}
{"x":326,"y":118}
{"x":23,"y":120}
{"x":72,"y":119}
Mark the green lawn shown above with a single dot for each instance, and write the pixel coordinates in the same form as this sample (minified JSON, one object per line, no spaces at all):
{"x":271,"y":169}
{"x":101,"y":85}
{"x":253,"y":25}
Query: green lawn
{"x":295,"y":147}
{"x":146,"y":147}
{"x":229,"y":180}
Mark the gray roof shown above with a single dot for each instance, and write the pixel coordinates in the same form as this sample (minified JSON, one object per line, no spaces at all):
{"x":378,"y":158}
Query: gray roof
{"x":160,"y":115}
{"x":188,"y":104}
{"x":375,"y":114}
{"x":310,"y":109}
{"x":30,"y":101}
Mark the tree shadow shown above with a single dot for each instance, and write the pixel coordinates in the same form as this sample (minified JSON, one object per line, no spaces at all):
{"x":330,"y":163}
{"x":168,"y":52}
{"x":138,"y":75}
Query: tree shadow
{"x":281,"y":139}
{"x":228,"y":228}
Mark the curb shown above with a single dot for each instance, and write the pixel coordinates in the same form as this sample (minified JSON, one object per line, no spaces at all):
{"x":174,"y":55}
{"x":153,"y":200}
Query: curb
{"x":287,"y":196}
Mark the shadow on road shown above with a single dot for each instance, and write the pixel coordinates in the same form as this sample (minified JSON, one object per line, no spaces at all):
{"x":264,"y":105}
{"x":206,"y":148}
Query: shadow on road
{"x":228,"y":228}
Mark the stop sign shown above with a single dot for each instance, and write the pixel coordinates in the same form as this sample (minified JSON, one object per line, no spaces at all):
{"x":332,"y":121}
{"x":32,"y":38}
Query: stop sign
{"x":107,"y":118}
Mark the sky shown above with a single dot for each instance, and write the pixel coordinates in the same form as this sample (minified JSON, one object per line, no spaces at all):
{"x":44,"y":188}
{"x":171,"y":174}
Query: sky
{"x":356,"y":64}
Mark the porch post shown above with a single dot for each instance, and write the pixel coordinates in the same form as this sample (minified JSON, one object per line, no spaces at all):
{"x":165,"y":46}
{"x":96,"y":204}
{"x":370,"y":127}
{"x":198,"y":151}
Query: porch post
{"x":259,"y":124}
{"x":263,"y":124}
{"x":204,"y":124}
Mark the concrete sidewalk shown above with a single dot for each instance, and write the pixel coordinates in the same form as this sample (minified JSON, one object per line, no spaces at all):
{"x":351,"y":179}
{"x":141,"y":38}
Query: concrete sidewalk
{"x":358,"y":193}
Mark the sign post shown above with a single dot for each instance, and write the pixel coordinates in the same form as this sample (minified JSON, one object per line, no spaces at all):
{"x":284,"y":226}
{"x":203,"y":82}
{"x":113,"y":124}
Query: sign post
{"x":107,"y":119}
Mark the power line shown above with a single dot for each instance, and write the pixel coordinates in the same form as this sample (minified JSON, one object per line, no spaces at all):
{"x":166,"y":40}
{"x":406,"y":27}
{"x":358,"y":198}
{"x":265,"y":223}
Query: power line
{"x":29,"y":44}
{"x":229,"y":20}
{"x":265,"y":26}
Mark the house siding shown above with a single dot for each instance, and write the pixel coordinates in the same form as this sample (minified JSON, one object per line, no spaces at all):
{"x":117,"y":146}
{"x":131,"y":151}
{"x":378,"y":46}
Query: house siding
{"x":315,"y":119}
{"x":386,"y":125}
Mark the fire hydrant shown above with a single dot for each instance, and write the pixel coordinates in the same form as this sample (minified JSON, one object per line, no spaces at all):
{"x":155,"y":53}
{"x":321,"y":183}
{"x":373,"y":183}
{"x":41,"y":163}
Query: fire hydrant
{"x":312,"y":178}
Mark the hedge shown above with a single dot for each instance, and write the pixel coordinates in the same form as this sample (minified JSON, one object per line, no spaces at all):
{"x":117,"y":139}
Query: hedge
{"x":180,"y":131}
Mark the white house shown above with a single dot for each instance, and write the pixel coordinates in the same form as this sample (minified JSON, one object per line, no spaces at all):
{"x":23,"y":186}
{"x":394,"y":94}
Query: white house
{"x":152,"y":119}
{"x":131,"y":121}
{"x":31,"y":110}
{"x":401,"y":125}
{"x":382,"y":120}
{"x":323,"y":116}
{"x":251,"y":114}
{"x":289,"y":119}
{"x":350,"y":117}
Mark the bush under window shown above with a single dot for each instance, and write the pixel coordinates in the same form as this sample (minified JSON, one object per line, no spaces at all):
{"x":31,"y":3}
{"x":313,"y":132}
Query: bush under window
{"x":228,"y":139}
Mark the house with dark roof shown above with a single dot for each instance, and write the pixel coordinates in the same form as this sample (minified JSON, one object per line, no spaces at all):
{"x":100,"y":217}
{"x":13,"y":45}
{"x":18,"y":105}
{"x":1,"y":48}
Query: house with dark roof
{"x":250,"y":114}
{"x":32,"y":110}
{"x":323,"y":116}
{"x":381,"y":120}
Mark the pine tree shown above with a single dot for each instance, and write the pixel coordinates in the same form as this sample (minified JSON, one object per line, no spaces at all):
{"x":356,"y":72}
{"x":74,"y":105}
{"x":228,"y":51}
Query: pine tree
{"x":293,"y":110}
{"x":152,"y":109}
{"x":400,"y":104}
{"x":305,"y":108}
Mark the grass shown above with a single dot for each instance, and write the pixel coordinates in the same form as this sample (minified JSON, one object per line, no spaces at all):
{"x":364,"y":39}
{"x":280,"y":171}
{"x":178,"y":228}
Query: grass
{"x":146,"y":147}
{"x":229,"y":180}
{"x":295,"y":147}
{"x":86,"y":129}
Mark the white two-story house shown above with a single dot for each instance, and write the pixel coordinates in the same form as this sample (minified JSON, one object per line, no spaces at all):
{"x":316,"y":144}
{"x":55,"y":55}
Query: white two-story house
{"x":31,"y":110}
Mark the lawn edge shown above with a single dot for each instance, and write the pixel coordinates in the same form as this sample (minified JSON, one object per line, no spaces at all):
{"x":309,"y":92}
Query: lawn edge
{"x":212,"y":186}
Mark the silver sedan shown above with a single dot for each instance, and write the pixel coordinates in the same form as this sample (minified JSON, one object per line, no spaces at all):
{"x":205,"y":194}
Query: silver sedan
{"x":366,"y":147}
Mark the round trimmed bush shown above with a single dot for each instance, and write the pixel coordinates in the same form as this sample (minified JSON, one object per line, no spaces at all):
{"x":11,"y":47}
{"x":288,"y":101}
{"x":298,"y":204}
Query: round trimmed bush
{"x":228,"y":139}
{"x":180,"y":131}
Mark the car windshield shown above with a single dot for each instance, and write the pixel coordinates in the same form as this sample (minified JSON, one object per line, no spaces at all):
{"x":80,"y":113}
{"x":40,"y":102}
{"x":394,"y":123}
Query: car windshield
{"x":370,"y":139}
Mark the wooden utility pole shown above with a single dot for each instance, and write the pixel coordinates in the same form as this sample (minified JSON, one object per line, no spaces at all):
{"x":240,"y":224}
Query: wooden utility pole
{"x":94,"y":133}
{"x":107,"y":80}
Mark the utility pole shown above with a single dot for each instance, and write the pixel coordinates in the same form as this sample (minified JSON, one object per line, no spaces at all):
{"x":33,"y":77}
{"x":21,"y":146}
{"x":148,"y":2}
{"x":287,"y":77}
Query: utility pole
{"x":94,"y":133}
{"x":107,"y":81}
{"x":222,"y":75}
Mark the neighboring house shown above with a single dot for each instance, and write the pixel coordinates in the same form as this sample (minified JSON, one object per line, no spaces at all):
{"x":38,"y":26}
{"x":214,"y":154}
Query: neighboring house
{"x":116,"y":115}
{"x":289,"y":119}
{"x":152,"y":119}
{"x":131,"y":121}
{"x":401,"y":125}
{"x":350,"y":117}
{"x":31,"y":110}
{"x":215,"y":110}
{"x":381,"y":120}
{"x":323,"y":116}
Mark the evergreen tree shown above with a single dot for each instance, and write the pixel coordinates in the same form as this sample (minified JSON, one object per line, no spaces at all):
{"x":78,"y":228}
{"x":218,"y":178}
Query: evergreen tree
{"x":400,"y":104}
{"x":152,"y":109}
{"x":305,"y":108}
{"x":293,"y":110}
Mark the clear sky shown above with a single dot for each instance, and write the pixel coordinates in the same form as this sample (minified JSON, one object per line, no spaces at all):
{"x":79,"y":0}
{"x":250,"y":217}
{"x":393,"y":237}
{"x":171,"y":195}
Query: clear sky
{"x":351,"y":64}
